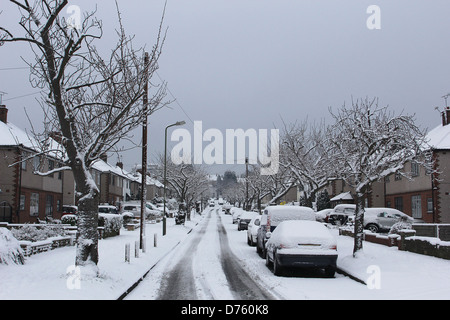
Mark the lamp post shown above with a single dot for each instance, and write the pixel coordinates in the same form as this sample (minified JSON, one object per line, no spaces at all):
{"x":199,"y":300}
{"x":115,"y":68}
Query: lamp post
{"x":179,"y":123}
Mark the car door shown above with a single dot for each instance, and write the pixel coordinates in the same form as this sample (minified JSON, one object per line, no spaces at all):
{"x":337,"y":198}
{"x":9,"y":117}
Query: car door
{"x":385,"y":220}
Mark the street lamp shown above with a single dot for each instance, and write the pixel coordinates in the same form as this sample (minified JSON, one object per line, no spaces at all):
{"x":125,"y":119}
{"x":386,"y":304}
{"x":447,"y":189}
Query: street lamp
{"x":179,"y":123}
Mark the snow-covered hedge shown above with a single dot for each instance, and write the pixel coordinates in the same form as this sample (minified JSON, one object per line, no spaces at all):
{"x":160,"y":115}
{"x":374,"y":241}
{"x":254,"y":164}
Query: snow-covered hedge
{"x":112,"y":224}
{"x":10,"y":251}
{"x":35,"y":233}
{"x":70,"y":219}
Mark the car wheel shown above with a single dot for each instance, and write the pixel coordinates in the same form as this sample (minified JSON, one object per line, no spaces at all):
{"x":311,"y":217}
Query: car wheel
{"x":277,"y":269}
{"x":249,"y":242}
{"x":268,"y":262}
{"x":330,"y":272}
{"x":373,"y":228}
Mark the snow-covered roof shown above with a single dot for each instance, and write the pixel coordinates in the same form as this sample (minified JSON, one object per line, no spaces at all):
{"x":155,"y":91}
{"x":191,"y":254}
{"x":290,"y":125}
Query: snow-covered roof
{"x":103,"y":166}
{"x":342,"y":196}
{"x":11,"y":135}
{"x":439,"y":137}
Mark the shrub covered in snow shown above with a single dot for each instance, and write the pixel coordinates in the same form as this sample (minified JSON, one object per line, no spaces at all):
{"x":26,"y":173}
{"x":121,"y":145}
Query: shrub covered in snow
{"x":69,"y":219}
{"x":32,"y":233}
{"x":111,"y":222}
{"x":402,"y":224}
{"x":10,"y":251}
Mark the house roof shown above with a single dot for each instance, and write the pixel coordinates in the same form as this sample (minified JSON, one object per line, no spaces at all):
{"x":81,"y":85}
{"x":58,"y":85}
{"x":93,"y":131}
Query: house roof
{"x":343,"y":196}
{"x":11,"y":135}
{"x":439,"y":137}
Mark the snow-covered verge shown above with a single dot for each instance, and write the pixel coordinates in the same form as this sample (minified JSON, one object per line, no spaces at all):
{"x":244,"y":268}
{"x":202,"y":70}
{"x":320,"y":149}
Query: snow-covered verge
{"x":53,"y":276}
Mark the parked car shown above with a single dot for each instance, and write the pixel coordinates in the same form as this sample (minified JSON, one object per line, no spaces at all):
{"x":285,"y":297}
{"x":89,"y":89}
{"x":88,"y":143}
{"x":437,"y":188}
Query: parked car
{"x":135,"y":208}
{"x":104,"y":208}
{"x":382,"y":219}
{"x":274,"y":215}
{"x":237,"y":212}
{"x":252,"y":230}
{"x":68,"y":209}
{"x":322,"y":215}
{"x":341,"y":213}
{"x":301,"y":244}
{"x":245,"y":219}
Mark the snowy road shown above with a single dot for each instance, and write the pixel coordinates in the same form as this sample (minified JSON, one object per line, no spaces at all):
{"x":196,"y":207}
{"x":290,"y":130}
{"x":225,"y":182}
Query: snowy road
{"x":215,"y":263}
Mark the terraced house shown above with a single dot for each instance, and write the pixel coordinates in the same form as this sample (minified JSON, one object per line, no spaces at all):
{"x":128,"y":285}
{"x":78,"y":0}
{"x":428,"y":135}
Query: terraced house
{"x":427,"y":196}
{"x":26,"y":196}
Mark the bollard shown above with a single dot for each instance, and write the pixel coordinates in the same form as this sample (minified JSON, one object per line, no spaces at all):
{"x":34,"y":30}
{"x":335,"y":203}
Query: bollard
{"x":155,"y":240}
{"x":144,"y":245}
{"x":127,"y":253}
{"x":136,"y":249}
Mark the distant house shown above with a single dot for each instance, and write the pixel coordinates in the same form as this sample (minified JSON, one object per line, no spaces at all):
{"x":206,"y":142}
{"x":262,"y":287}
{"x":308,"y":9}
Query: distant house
{"x":111,"y":180}
{"x":26,"y":196}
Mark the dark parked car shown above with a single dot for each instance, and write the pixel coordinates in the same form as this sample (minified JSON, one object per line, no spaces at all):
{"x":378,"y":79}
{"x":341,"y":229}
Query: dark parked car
{"x":304,"y":244}
{"x":245,"y":219}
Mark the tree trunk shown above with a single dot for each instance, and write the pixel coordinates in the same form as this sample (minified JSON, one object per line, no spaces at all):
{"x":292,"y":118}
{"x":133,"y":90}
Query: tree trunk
{"x":87,"y":222}
{"x":359,"y":223}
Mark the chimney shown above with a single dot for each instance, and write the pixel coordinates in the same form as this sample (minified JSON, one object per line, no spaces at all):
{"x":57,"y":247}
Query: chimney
{"x":104,"y":157}
{"x":444,"y":119}
{"x":3,"y":114}
{"x":447,"y":115}
{"x":120,"y":165}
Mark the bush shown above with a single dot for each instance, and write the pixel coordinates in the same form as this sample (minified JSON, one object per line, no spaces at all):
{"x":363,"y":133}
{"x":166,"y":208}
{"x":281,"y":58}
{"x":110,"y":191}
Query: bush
{"x":10,"y":251}
{"x":403,"y":224}
{"x":127,"y":217}
{"x":69,"y":219}
{"x":34,"y":233}
{"x":111,"y":222}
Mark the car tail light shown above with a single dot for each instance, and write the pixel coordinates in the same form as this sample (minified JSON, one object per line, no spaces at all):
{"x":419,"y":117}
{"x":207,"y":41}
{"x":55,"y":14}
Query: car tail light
{"x":334,"y":247}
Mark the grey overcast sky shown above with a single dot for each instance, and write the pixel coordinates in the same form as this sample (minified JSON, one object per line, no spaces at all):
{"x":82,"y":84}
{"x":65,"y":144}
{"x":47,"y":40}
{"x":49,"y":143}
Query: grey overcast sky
{"x":250,"y":63}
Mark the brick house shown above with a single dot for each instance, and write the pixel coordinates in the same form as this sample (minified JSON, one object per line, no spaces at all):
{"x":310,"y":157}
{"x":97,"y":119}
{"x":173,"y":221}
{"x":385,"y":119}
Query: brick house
{"x":427,"y":196}
{"x":26,"y":196}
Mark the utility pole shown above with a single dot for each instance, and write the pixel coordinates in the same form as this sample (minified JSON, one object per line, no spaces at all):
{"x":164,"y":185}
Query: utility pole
{"x":144,"y":155}
{"x":246,"y":184}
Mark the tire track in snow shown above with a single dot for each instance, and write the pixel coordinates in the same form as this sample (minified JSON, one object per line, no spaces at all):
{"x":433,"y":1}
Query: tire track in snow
{"x":241,"y":283}
{"x":179,"y":282}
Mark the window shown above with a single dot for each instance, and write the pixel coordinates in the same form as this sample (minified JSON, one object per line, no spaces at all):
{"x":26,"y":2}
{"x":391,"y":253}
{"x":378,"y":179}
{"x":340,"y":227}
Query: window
{"x":414,"y":169}
{"x":51,"y":166}
{"x":22,"y":202}
{"x":49,"y":206}
{"x":398,"y":203}
{"x":416,"y":205}
{"x":430,"y":205}
{"x":36,"y":163}
{"x":34,"y":205}
{"x":24,"y":162}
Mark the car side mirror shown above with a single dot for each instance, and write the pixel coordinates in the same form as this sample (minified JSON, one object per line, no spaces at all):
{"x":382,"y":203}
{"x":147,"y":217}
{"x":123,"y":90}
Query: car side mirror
{"x":268,"y":235}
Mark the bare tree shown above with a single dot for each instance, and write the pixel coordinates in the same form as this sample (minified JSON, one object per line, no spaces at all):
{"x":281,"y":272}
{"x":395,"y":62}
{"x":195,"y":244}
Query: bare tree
{"x":91,"y":102}
{"x":305,"y":153}
{"x":369,"y":143}
{"x":187,"y":180}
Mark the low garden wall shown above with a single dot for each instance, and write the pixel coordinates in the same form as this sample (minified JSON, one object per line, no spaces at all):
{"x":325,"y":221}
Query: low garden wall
{"x":408,"y":240}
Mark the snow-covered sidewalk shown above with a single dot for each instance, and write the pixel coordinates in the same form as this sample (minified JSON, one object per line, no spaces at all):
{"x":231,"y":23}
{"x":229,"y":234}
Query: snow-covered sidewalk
{"x":393,"y":274}
{"x":388,"y":272}
{"x":50,"y":275}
